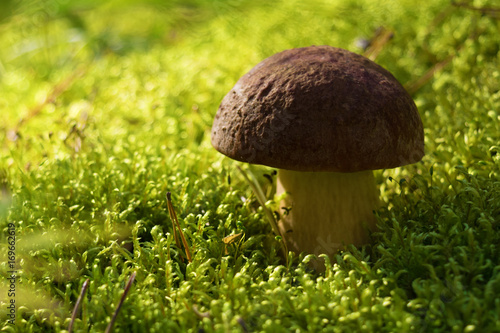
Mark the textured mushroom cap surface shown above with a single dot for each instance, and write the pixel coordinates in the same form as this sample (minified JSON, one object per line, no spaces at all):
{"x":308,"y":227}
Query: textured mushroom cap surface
{"x":319,"y":108}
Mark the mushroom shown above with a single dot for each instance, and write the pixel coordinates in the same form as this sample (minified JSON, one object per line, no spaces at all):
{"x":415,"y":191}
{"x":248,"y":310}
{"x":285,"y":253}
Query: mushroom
{"x":325,"y":117}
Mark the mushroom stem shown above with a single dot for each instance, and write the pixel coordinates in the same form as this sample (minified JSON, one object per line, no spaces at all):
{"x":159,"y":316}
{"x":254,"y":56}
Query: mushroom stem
{"x":328,"y":209}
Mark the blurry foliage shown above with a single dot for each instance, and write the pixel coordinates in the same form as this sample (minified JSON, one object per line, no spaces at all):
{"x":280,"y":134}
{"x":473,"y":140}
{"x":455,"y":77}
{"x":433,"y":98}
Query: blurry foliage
{"x":107,"y":105}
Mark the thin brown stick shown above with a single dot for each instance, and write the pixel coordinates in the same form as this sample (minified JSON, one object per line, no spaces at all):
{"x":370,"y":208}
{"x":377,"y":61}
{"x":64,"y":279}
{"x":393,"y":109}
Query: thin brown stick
{"x":174,"y":227}
{"x":175,"y":221}
{"x":381,"y":38}
{"x":415,"y":85}
{"x":492,"y":11}
{"x":122,"y":300}
{"x":57,"y":91}
{"x":77,"y":305}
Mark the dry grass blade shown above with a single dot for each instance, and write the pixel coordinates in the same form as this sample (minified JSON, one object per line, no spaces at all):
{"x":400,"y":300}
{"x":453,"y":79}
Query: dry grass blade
{"x":491,"y":11}
{"x":381,"y":38}
{"x":231,"y":238}
{"x":413,"y":86}
{"x":269,"y":214}
{"x":57,"y":91}
{"x":122,"y":300}
{"x":175,"y":221}
{"x":228,"y":240}
{"x":77,"y":305}
{"x":197,"y":312}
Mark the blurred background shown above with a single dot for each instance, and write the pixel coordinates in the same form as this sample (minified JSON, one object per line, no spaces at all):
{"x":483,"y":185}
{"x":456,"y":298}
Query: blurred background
{"x":146,"y":60}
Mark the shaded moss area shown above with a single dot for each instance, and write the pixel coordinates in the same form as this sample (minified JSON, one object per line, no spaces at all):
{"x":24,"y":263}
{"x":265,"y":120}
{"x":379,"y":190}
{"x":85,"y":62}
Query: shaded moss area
{"x":104,"y":107}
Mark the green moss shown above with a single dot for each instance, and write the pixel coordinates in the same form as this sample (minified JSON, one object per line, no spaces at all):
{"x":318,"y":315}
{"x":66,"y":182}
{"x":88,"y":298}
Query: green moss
{"x":106,"y":107}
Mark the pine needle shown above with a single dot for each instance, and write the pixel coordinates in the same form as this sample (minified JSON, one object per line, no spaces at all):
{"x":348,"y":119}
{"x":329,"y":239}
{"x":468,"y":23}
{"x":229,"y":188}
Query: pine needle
{"x":122,"y":300}
{"x":77,"y":305}
{"x":175,"y":221}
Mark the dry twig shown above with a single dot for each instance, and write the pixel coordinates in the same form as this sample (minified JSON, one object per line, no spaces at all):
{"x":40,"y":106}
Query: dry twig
{"x":175,"y":222}
{"x":122,"y":300}
{"x":77,"y":305}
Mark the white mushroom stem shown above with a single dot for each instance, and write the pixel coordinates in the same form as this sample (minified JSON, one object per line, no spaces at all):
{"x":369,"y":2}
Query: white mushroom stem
{"x":329,"y":210}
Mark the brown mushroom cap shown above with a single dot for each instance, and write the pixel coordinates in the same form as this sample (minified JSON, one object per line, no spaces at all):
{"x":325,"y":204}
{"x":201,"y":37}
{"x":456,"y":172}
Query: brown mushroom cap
{"x":319,"y":108}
